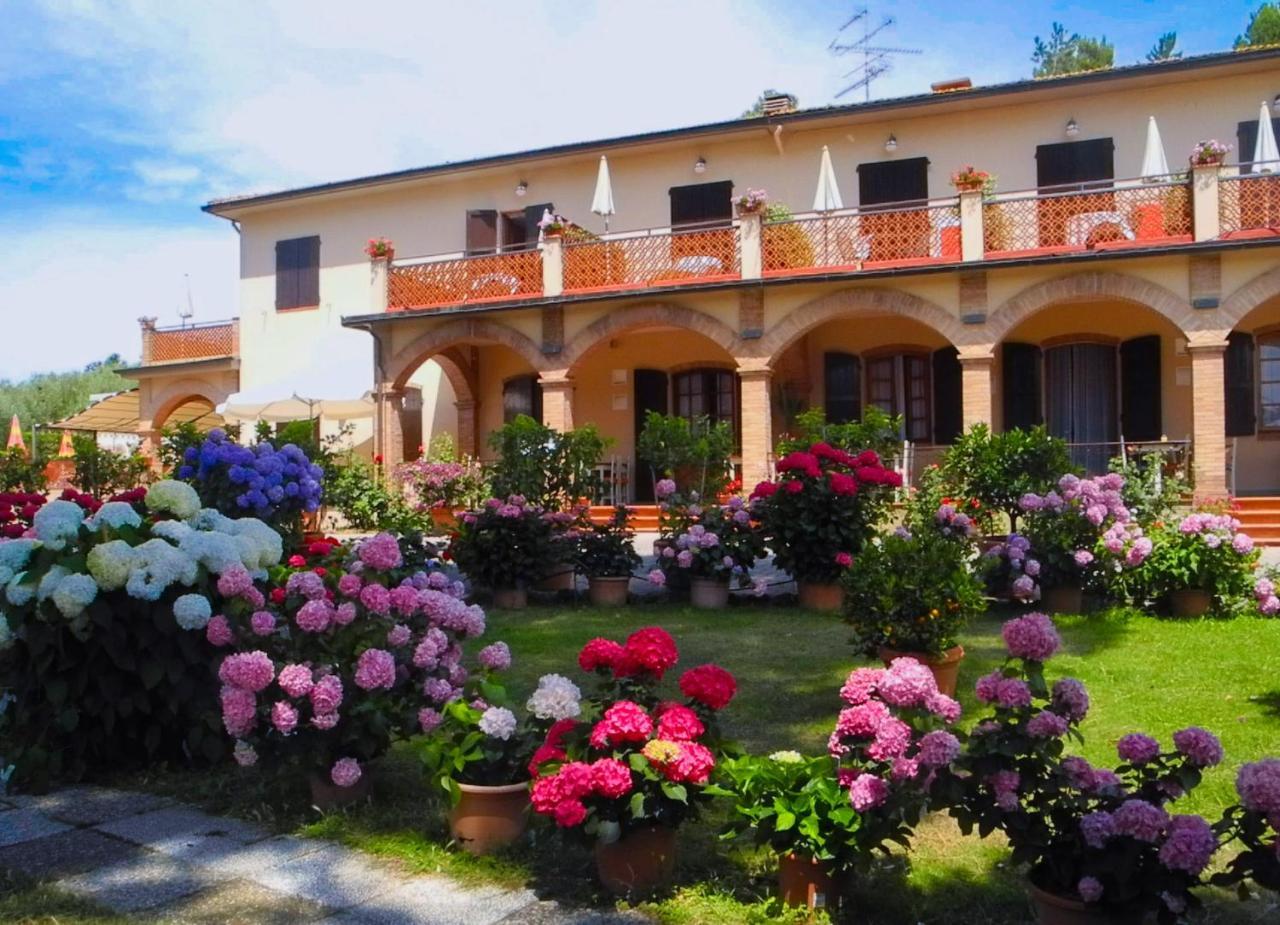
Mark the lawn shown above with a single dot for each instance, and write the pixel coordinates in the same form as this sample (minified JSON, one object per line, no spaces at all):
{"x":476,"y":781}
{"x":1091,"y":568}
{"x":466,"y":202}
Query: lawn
{"x":1143,"y":674}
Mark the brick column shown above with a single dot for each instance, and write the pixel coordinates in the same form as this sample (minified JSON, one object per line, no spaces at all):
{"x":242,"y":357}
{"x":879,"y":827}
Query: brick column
{"x":466,"y":427}
{"x":557,"y":402}
{"x":757,"y":422}
{"x":1208,"y":419}
{"x":975,"y":386}
{"x":388,"y":437}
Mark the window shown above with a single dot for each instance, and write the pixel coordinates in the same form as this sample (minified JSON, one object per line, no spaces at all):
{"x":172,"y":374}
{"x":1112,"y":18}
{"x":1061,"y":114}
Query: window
{"x":1269,"y":382}
{"x":712,"y":392}
{"x":1076,"y":163}
{"x":893,"y":181}
{"x":702,"y":204}
{"x":521,"y":395}
{"x":899,"y":385}
{"x":842,"y":387}
{"x":298,"y":273}
{"x":1247,"y":138}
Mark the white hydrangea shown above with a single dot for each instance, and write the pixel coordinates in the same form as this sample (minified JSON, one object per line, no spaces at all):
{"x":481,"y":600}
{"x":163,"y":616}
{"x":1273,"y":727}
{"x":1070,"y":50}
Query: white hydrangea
{"x":498,"y":723}
{"x":14,"y":556}
{"x":6,"y":634}
{"x":19,"y":592}
{"x":260,"y":546}
{"x":176,"y":498}
{"x":210,"y":518}
{"x":49,"y":583}
{"x":158,"y":566}
{"x":556,"y":698}
{"x":192,"y":611}
{"x":57,"y":522}
{"x":110,"y":564}
{"x":215,"y":551}
{"x":115,"y":514}
{"x":73,"y":594}
{"x":172,"y":530}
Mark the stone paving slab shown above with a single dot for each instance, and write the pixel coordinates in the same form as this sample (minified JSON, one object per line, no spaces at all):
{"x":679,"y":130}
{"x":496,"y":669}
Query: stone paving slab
{"x":261,"y":856}
{"x":24,"y":825}
{"x":332,"y":876}
{"x":239,"y":902}
{"x":164,"y":825}
{"x":71,"y":852}
{"x":144,"y":882}
{"x":95,"y":805}
{"x":552,"y":913}
{"x":436,"y":901}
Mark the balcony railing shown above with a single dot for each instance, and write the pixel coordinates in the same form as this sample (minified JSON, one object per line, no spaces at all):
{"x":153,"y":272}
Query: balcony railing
{"x":208,"y":340}
{"x":1212,"y":204}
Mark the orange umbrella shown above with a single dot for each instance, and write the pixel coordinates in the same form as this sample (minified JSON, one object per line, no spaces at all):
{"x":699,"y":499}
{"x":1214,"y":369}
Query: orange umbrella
{"x":15,"y":436}
{"x":65,"y":448}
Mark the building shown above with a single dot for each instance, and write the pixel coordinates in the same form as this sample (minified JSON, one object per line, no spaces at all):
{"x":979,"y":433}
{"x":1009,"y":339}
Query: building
{"x":1113,"y":307}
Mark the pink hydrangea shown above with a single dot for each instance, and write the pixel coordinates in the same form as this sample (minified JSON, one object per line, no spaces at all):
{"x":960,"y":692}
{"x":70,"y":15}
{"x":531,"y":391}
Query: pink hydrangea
{"x":860,"y":685}
{"x":610,"y":778}
{"x":938,"y":748}
{"x":495,"y":657}
{"x":862,"y":721}
{"x":263,"y":623}
{"x":1258,"y":784}
{"x":1004,"y":786}
{"x":326,"y":694}
{"x":245,"y":754}
{"x":376,"y":598}
{"x":867,"y":792}
{"x":657,"y":577}
{"x":1032,"y":637}
{"x":381,"y":552}
{"x":251,"y":671}
{"x":1136,"y":748}
{"x":948,"y":708}
{"x":1200,"y":746}
{"x":907,"y":684}
{"x":1141,"y":820}
{"x":239,"y":710}
{"x":314,"y":616}
{"x":325,"y":721}
{"x":1189,"y":845}
{"x":429,"y":719}
{"x":218,"y":631}
{"x":344,"y":613}
{"x":284,"y":717}
{"x":350,"y":585}
{"x":677,"y":723}
{"x":234,"y":581}
{"x":892,"y":740}
{"x":625,"y":721}
{"x":375,"y":668}
{"x":1047,"y":725}
{"x":987,"y":687}
{"x":295,"y":680}
{"x":399,"y":635}
{"x":345,"y":772}
{"x":905,"y":769}
{"x":307,"y":584}
{"x":1012,"y":693}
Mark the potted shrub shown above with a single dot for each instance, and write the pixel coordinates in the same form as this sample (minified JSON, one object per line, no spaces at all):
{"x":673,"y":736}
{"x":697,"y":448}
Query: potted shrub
{"x":819,"y":513}
{"x":1099,"y":843}
{"x":505,"y":546}
{"x":636,"y":764}
{"x":607,"y":557}
{"x":707,"y":545}
{"x":1209,"y":153}
{"x":998,"y":469}
{"x":912,"y":594}
{"x":694,"y":454}
{"x":1202,"y":563}
{"x":1254,"y":825}
{"x":442,"y":488}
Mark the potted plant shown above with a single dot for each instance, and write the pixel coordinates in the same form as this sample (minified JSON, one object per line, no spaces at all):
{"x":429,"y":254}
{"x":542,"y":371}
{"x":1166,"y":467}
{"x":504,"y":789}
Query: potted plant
{"x":1202,"y":562}
{"x":380,"y":249}
{"x":818,"y":514}
{"x":693,"y":454}
{"x":998,"y":469}
{"x":753,"y":202}
{"x":505,"y":546}
{"x":636,"y":764}
{"x":1099,"y":843}
{"x":912,"y":594}
{"x":1210,"y":153}
{"x":970,"y":179}
{"x":442,"y":488}
{"x":708,"y":545}
{"x":607,"y":556}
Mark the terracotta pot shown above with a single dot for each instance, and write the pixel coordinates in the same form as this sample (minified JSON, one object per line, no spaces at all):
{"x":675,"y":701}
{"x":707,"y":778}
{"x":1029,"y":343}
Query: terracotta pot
{"x":1063,"y":599}
{"x":637,"y":863}
{"x":1190,"y":602}
{"x":510,"y":598}
{"x":444,"y":518}
{"x":709,"y":593}
{"x":802,"y":881}
{"x":326,"y":795}
{"x":608,"y":591}
{"x":1052,"y":909}
{"x":819,"y":595}
{"x":560,"y":580}
{"x":488,"y":818}
{"x":945,"y":667}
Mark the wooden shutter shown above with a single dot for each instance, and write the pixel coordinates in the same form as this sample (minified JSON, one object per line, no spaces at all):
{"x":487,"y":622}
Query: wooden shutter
{"x":482,"y":232}
{"x":309,"y":271}
{"x":1140,"y":388}
{"x":286,"y":274}
{"x":1247,"y":138}
{"x":702,"y":203}
{"x":1238,"y":367}
{"x":1075,"y":162}
{"x":533,"y":215}
{"x":1020,"y":383}
{"x":298,"y":272}
{"x":893,"y":181}
{"x":842,"y":387}
{"x":948,"y":406}
{"x":521,"y":395}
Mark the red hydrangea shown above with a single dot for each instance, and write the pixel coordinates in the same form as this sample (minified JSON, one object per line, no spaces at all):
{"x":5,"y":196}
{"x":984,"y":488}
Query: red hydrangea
{"x":709,"y":685}
{"x":610,"y":778}
{"x":649,"y":650}
{"x":601,"y":653}
{"x":625,"y":721}
{"x":693,"y":765}
{"x":677,"y":723}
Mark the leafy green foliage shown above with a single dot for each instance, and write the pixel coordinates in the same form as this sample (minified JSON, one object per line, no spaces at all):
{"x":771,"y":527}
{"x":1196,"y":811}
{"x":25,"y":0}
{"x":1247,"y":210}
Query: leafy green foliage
{"x":361,"y":494}
{"x":1181,"y":561}
{"x":104,"y":473}
{"x":1263,"y":28}
{"x":18,"y":473}
{"x":459,"y":751}
{"x":47,"y":397}
{"x":1153,"y":484}
{"x":606,"y":550}
{"x":877,"y":430}
{"x":998,"y":469}
{"x":549,"y":468}
{"x":1070,"y":54}
{"x":1165,"y":48}
{"x":695,"y":454}
{"x":505,"y":545}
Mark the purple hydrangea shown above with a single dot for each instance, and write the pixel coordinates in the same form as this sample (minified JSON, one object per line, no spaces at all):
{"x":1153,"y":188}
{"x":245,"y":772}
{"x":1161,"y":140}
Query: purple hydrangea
{"x":1141,"y":820}
{"x":1189,"y":845}
{"x":1199,"y":746}
{"x":1032,"y":637}
{"x":1136,"y":748}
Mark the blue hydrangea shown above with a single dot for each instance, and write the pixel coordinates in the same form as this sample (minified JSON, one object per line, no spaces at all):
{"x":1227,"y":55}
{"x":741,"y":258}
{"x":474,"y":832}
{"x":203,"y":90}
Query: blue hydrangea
{"x":260,"y":480}
{"x":73,"y":594}
{"x":110,"y":564}
{"x":49,"y":582}
{"x":158,"y":566}
{"x":115,"y":514}
{"x":172,"y":530}
{"x":14,"y":556}
{"x":211,"y":518}
{"x":6,"y":634}
{"x":192,"y":611}
{"x":18,"y":591}
{"x":58,"y":522}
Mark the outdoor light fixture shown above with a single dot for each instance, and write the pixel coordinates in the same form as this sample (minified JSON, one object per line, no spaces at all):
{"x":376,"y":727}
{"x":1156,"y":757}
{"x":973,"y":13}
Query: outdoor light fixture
{"x":522,"y":188}
{"x":1072,"y":128}
{"x":700,"y":165}
{"x":891,"y":144}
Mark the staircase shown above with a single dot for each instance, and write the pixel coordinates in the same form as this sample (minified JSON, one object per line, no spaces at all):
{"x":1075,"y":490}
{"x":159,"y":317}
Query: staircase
{"x":644,"y":517}
{"x":1260,"y":518}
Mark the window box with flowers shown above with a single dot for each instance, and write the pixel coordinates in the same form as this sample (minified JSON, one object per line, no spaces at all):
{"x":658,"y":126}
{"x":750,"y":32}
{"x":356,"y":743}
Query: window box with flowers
{"x":1209,"y":153}
{"x":380,"y":249}
{"x":969,"y":179}
{"x":753,"y":202}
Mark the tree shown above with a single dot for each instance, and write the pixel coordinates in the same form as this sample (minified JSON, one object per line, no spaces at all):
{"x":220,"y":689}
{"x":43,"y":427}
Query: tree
{"x":1070,"y":54}
{"x":757,"y":108}
{"x":1263,"y":28}
{"x":1165,"y":48}
{"x":47,"y":397}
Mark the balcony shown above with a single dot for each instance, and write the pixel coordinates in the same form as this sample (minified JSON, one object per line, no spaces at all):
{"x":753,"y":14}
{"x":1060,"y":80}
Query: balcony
{"x":213,"y":340}
{"x":1212,"y":205}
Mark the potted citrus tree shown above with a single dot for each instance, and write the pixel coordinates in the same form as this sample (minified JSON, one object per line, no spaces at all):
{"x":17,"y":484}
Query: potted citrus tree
{"x":607,"y":557}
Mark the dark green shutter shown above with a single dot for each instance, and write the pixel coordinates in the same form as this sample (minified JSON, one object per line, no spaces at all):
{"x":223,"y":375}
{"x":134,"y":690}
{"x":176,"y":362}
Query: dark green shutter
{"x":1140,"y":402}
{"x":1020,"y":384}
{"x":842,"y":387}
{"x":702,"y":203}
{"x":1238,"y":369}
{"x":948,"y":406}
{"x":1074,"y":162}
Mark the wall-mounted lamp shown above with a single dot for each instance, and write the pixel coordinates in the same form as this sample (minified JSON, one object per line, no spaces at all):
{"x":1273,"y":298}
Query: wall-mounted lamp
{"x":891,"y":144}
{"x":700,"y":165}
{"x":522,"y":188}
{"x":1073,"y":129}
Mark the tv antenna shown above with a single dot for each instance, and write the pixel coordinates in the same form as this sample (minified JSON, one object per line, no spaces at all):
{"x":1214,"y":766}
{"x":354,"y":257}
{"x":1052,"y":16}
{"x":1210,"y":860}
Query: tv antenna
{"x":186,"y":314}
{"x":876,"y":59}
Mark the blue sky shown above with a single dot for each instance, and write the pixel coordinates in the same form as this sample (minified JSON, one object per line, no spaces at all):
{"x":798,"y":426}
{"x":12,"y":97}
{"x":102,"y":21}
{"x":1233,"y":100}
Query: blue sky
{"x":119,"y":119}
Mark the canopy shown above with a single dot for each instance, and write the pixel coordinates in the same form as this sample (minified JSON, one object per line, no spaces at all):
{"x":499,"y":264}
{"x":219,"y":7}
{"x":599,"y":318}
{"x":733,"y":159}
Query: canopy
{"x":15,"y":436}
{"x":602,"y":201}
{"x":1265,"y":153}
{"x":333,"y":383}
{"x":117,"y":413}
{"x":1154,"y":165}
{"x":827,"y":196}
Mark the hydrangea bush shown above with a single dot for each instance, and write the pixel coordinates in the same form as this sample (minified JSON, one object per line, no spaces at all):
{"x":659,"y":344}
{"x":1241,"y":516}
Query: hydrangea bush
{"x":710,"y":540}
{"x":1254,"y":825}
{"x":93,"y":616}
{"x":1207,"y":551}
{"x":507,"y":544}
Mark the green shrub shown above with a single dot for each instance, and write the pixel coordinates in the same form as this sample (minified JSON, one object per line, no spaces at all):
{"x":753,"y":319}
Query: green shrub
{"x":18,"y":473}
{"x":605,"y":550}
{"x":504,"y":545}
{"x":877,"y":430}
{"x":549,"y":468}
{"x":103,"y":473}
{"x":358,"y":491}
{"x":998,"y":469}
{"x":695,"y":454}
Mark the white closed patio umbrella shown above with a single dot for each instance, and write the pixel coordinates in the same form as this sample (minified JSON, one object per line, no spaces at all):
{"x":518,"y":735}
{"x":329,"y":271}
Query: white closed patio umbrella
{"x":826,"y":197}
{"x":602,"y":201}
{"x":1154,"y":165}
{"x":1265,"y":153}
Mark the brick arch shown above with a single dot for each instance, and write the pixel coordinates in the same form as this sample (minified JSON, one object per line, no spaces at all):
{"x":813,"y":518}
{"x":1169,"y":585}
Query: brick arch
{"x":647,"y":315}
{"x":1246,"y":298}
{"x":852,"y":302}
{"x":157,"y":404}
{"x":1090,"y":285}
{"x":429,"y":345}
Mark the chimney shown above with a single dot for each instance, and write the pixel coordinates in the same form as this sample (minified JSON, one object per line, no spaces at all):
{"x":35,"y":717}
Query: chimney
{"x":950,"y":86}
{"x":779,"y":105}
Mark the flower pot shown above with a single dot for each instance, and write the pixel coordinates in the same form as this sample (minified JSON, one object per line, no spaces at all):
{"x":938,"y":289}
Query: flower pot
{"x":1063,"y":599}
{"x":560,"y":580}
{"x":709,"y":593}
{"x":1190,"y":602}
{"x":945,"y":667}
{"x":444,"y":518}
{"x":488,"y":818}
{"x":510,"y":598}
{"x":802,"y":881}
{"x":638,"y":862}
{"x":970,"y":187}
{"x":608,"y":591}
{"x":1052,"y":909}
{"x":326,"y":795}
{"x":821,"y":595}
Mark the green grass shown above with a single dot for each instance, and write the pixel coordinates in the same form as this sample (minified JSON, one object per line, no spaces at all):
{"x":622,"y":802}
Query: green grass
{"x":27,"y":902}
{"x":1143,"y":673}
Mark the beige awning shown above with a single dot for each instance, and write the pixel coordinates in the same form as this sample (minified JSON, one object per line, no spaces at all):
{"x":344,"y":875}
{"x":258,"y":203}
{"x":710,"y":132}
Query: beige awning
{"x":118,"y":414}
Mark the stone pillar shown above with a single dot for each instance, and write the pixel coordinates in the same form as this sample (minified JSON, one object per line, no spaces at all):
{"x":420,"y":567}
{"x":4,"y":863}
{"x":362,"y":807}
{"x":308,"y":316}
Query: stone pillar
{"x":749,"y":232}
{"x":379,"y":281}
{"x":1208,"y":418}
{"x":757,"y":422}
{"x":557,"y":402}
{"x":975,"y":386}
{"x":388,"y":436}
{"x":552,"y":266}
{"x":1204,"y":202}
{"x":467,"y":443}
{"x":971,"y":233}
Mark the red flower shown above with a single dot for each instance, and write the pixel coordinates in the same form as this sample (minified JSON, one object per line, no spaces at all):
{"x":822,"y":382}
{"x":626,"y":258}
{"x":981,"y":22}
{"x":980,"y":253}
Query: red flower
{"x":693,"y":765}
{"x":867,"y":458}
{"x":625,"y":721}
{"x":765,"y":490}
{"x":709,"y":685}
{"x":277,"y":595}
{"x":842,"y":484}
{"x":805,"y":463}
{"x":601,"y":653}
{"x":844,"y":560}
{"x":825,"y":451}
{"x":677,"y":723}
{"x":610,"y":778}
{"x":320,"y":570}
{"x":542,"y":755}
{"x":296,"y":561}
{"x":794,"y":486}
{"x":650,"y":650}
{"x":377,"y":459}
{"x":557,"y":732}
{"x":570,"y":813}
